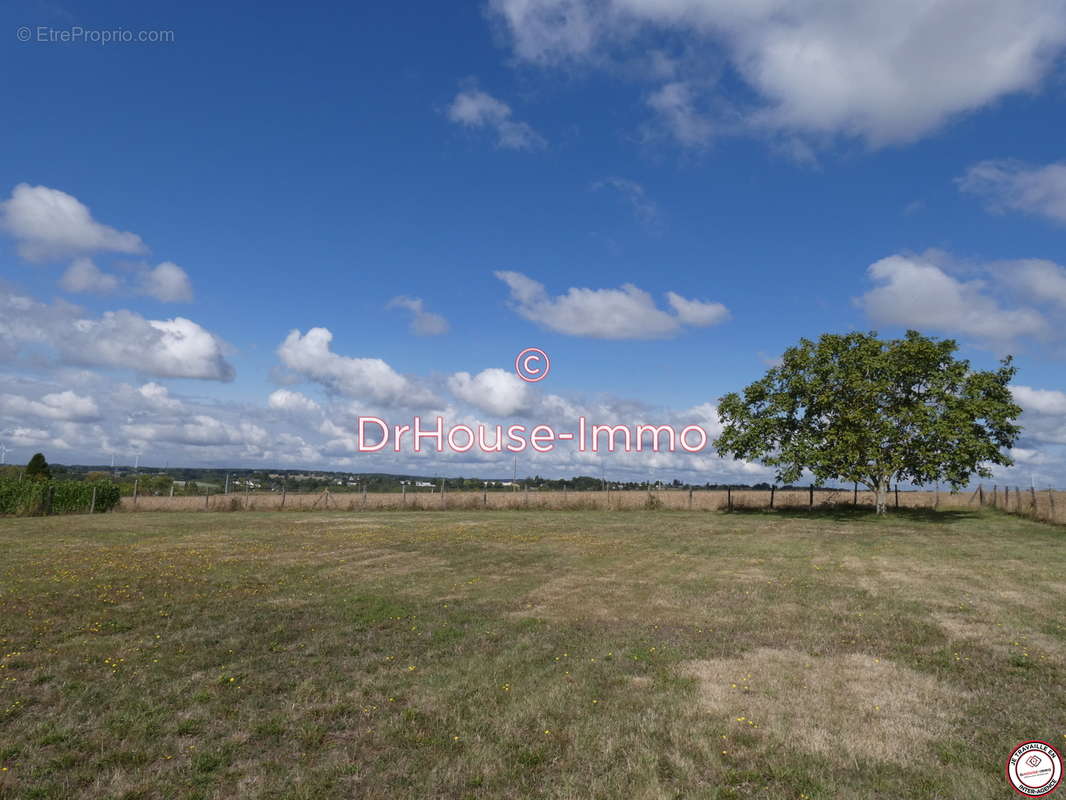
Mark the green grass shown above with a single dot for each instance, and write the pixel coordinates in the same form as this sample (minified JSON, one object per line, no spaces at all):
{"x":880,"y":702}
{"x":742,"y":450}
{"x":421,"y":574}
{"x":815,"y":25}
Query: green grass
{"x":527,"y":654}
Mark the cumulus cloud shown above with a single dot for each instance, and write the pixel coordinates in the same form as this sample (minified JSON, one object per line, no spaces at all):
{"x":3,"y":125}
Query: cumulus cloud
{"x":493,"y":390}
{"x":423,"y":323}
{"x":287,"y":400}
{"x":158,"y":397}
{"x":58,"y":405}
{"x":474,"y":108}
{"x":84,"y":276}
{"x":174,"y":348}
{"x":885,"y":73}
{"x":1016,"y":186}
{"x":916,"y":292}
{"x":50,"y":224}
{"x":623,"y":313}
{"x":309,"y":355}
{"x":167,"y":283}
{"x":1040,"y":401}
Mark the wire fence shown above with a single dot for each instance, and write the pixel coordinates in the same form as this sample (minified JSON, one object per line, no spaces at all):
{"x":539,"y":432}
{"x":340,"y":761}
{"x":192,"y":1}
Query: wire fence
{"x":1048,"y":505}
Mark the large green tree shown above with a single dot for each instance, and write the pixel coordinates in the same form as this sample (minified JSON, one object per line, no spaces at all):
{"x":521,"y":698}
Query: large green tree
{"x":859,"y":409}
{"x":38,"y":468}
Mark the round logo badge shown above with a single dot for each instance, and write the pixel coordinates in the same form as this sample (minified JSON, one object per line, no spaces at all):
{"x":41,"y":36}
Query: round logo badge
{"x":1034,"y":769}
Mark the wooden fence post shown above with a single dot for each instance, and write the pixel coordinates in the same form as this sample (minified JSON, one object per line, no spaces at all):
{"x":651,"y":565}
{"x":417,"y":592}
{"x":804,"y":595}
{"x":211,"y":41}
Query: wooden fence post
{"x":855,"y":495}
{"x":773,"y":489}
{"x":729,"y":498}
{"x":981,"y":494}
{"x":136,"y":485}
{"x":92,"y":503}
{"x":527,"y":493}
{"x":364,"y":494}
{"x":995,"y":496}
{"x":284,"y":491}
{"x":689,"y":498}
{"x":1051,"y":503}
{"x":810,"y":500}
{"x":485,"y":496}
{"x":1018,"y":499}
{"x":403,"y":495}
{"x":1032,"y":490}
{"x":207,"y":500}
{"x":443,"y":502}
{"x":172,"y":488}
{"x":897,"y":497}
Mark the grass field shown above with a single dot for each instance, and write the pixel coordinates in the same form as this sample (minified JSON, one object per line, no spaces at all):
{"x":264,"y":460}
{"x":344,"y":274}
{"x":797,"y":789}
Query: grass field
{"x":527,"y":654}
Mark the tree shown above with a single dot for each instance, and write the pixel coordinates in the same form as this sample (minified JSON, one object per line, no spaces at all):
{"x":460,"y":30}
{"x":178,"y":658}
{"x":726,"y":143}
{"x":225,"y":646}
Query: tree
{"x":861,"y":410}
{"x":38,"y":469}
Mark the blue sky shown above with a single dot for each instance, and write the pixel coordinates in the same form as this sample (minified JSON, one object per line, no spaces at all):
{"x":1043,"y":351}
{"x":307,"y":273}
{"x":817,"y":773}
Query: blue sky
{"x":301,"y":169}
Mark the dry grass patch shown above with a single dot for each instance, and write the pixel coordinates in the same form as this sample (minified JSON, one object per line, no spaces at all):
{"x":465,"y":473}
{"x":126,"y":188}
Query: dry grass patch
{"x":857,"y":704}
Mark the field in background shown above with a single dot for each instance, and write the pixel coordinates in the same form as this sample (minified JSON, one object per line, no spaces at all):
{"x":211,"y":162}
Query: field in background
{"x":554,"y":655}
{"x":1041,"y":504}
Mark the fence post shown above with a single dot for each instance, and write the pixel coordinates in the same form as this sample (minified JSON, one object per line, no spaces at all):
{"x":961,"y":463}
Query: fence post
{"x":810,"y":502}
{"x":1018,"y":499}
{"x":773,"y":489}
{"x":172,"y":488}
{"x":92,"y":503}
{"x":403,"y":495}
{"x":689,"y":498}
{"x":49,"y":498}
{"x":1032,"y":489}
{"x":527,"y":493}
{"x":1051,"y":503}
{"x":207,"y":500}
{"x":608,"y":496}
{"x":136,"y":485}
{"x":729,"y":498}
{"x":443,"y":502}
{"x":897,"y":497}
{"x":995,"y":496}
{"x":485,"y":495}
{"x":936,"y":497}
{"x":284,"y":491}
{"x":981,"y":494}
{"x":364,"y":494}
{"x":855,"y":495}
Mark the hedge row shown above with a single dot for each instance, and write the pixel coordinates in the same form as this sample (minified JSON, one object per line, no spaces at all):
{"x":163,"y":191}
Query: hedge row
{"x":27,"y":497}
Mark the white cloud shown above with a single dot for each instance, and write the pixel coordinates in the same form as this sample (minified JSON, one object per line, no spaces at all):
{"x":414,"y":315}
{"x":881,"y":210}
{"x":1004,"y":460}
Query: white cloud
{"x":885,"y":73}
{"x":84,"y":276}
{"x":697,"y":312}
{"x":423,"y":323}
{"x":474,"y":108}
{"x":288,"y":400}
{"x":493,"y":390}
{"x":175,"y":348}
{"x":366,"y":378}
{"x":623,"y":313}
{"x":674,"y":103}
{"x":916,"y":292}
{"x":50,"y":224}
{"x":167,"y":283}
{"x":158,"y":397}
{"x":1018,"y":186}
{"x":58,"y":406}
{"x":1040,"y":401}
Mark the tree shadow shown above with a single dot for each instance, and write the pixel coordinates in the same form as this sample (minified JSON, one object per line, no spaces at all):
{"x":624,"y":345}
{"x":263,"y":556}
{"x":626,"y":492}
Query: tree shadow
{"x":866,"y":514}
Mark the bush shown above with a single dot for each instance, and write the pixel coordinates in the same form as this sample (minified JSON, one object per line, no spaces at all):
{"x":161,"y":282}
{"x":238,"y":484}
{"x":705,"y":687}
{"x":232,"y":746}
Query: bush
{"x":28,"y":497}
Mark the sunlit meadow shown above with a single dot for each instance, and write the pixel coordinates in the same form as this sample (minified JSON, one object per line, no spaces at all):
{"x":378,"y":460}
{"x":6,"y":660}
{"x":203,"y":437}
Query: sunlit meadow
{"x":548,"y":654}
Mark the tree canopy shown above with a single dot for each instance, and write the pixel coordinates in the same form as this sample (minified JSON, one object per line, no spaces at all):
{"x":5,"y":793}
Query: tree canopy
{"x":38,"y":468}
{"x":859,"y":409}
